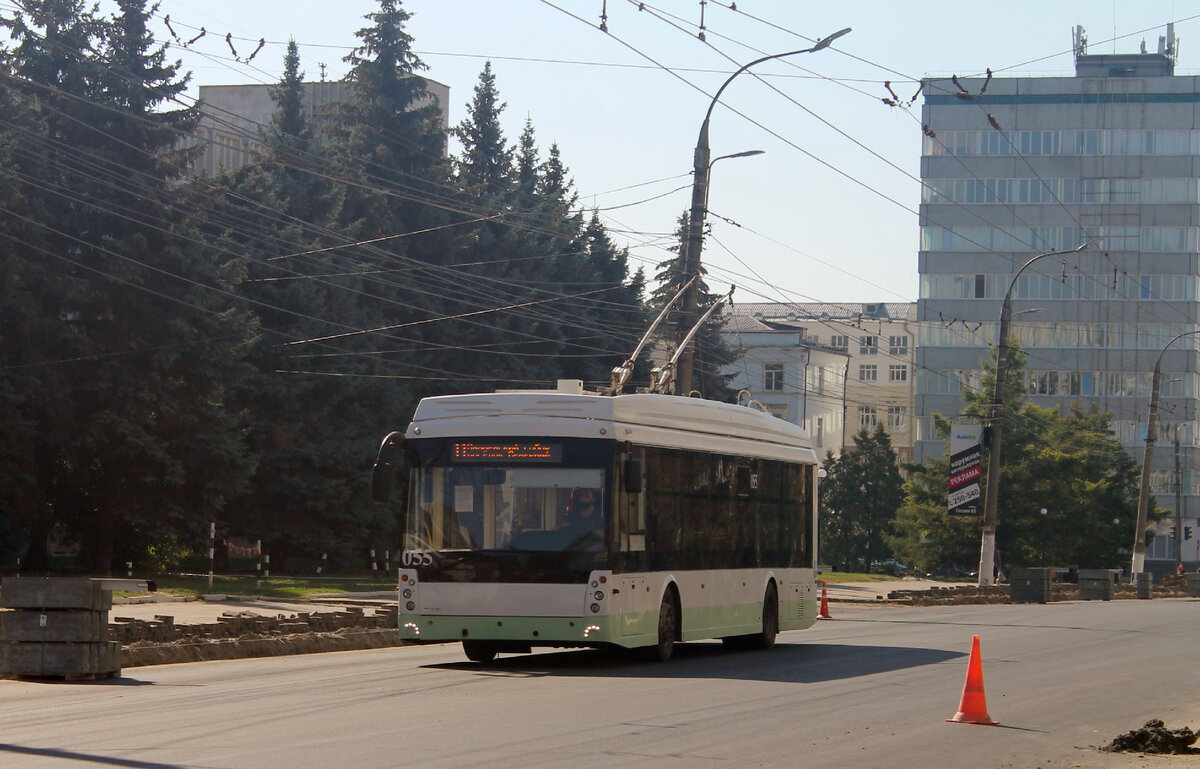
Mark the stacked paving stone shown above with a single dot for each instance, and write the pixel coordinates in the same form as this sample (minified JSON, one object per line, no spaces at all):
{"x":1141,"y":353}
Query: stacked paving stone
{"x":56,"y":628}
{"x":127,"y":630}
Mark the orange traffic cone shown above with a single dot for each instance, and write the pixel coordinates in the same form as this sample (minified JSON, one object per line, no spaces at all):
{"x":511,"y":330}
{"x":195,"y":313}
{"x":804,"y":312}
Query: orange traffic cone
{"x":824,"y":613}
{"x":972,"y":709}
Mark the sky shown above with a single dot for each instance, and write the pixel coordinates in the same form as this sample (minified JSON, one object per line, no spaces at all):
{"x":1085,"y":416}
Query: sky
{"x":828,"y":212}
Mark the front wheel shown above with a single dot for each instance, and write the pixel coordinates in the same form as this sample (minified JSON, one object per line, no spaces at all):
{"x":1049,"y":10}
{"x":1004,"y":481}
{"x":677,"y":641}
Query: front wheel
{"x":667,"y":622}
{"x":479,"y":651}
{"x":770,"y":628}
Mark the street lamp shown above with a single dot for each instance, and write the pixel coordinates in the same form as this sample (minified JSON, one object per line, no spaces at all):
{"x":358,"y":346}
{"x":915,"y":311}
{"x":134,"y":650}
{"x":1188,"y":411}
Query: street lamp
{"x":987,"y":547}
{"x":1139,"y":534}
{"x":742,"y":154}
{"x":695,"y":235}
{"x":1044,"y":511}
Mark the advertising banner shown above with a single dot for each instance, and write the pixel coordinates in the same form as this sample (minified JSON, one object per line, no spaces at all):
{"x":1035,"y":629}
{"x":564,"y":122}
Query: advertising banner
{"x":964,"y":470}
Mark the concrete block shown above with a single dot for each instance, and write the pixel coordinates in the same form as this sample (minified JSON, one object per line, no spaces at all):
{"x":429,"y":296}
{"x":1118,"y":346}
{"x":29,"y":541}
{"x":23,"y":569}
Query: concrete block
{"x":54,"y":593}
{"x":50,"y":659}
{"x":54,"y":626}
{"x":1096,"y":584}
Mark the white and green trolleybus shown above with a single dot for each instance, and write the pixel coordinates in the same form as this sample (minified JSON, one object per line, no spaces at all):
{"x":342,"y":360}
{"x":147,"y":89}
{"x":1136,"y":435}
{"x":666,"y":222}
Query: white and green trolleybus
{"x":703,"y":521}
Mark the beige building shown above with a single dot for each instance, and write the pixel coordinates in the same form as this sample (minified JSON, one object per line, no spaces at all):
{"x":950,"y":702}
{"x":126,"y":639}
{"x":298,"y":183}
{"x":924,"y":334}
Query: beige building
{"x":791,"y":376}
{"x":234,"y":117}
{"x":874,"y":345}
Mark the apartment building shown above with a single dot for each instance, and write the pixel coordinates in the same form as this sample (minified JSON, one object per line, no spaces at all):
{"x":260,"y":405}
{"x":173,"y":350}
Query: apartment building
{"x":233,"y":118}
{"x":798,"y":352}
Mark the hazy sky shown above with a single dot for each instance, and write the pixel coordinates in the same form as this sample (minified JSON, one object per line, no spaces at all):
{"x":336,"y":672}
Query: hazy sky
{"x":827,"y":214}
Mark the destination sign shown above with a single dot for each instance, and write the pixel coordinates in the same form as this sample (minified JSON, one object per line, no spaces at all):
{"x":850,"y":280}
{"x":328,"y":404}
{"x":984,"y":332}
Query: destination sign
{"x":507,"y":451}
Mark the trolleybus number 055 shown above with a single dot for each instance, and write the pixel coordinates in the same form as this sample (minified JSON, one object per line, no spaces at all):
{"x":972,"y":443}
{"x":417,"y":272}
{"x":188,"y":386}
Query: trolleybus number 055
{"x":417,"y":558}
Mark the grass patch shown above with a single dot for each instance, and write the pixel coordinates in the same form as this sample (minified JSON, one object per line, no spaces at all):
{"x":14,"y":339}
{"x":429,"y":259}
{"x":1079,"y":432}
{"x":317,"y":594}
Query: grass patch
{"x":277,"y":587}
{"x":842,"y":577}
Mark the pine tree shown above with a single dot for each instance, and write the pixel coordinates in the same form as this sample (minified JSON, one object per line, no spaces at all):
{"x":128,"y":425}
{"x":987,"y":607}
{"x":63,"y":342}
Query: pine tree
{"x":135,"y":444}
{"x":485,"y":169}
{"x":711,"y":354}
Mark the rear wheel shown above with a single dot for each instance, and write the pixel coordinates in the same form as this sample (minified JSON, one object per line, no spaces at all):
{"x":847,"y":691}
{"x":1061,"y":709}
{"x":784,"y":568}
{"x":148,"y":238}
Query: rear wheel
{"x":668,"y":621}
{"x":480,"y":651}
{"x":765,"y":638}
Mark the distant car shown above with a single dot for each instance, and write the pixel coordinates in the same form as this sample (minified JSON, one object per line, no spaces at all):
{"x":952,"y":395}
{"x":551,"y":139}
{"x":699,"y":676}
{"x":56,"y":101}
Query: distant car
{"x":891,"y":567}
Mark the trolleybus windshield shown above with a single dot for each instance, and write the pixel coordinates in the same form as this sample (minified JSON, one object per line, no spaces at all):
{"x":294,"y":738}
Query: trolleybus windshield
{"x":479,"y":505}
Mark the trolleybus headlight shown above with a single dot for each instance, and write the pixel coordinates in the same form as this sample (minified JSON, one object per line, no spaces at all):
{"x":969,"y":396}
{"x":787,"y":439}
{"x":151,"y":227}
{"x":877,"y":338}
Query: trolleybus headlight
{"x":410,"y":606}
{"x":408,"y":594}
{"x":595,"y":583}
{"x":595,"y":608}
{"x":599,"y":595}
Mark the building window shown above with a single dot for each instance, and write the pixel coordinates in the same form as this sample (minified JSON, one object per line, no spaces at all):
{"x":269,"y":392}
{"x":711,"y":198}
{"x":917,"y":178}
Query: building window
{"x":820,"y":430}
{"x":897,"y":417}
{"x":773,"y":377}
{"x":868,"y":345}
{"x":839,"y":341}
{"x":867,"y":416}
{"x":898,"y":373}
{"x":867,"y":373}
{"x":898,"y":345}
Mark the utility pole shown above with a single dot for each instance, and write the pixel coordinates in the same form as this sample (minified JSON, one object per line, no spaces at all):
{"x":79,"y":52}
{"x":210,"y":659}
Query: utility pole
{"x":987,"y":547}
{"x":1178,"y":508}
{"x":1138,"y":564}
{"x":701,"y":163}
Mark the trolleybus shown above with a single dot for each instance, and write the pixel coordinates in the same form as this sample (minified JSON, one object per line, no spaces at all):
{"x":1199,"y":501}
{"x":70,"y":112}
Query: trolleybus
{"x":702,"y":521}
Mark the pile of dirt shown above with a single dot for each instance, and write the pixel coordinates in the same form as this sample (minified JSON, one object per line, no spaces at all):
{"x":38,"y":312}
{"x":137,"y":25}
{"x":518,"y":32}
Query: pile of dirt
{"x":1155,"y":737}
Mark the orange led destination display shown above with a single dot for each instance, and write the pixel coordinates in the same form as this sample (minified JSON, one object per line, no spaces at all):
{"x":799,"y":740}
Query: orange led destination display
{"x":515,"y":451}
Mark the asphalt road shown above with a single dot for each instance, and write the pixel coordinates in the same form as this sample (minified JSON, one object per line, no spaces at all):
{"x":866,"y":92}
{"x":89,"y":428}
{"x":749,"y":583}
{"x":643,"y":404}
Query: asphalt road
{"x":870,"y":688}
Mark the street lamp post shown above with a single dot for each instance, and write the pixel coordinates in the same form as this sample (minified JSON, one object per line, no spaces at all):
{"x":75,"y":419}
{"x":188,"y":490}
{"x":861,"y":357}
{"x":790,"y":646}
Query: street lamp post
{"x":987,"y":547}
{"x":695,"y":235}
{"x":1139,"y":535}
{"x":1044,"y":511}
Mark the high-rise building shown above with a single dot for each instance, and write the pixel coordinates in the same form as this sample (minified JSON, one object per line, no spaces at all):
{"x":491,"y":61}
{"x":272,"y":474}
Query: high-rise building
{"x":1016,"y":167}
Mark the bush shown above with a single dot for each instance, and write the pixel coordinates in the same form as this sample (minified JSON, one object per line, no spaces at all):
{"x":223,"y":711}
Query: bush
{"x":166,"y":554}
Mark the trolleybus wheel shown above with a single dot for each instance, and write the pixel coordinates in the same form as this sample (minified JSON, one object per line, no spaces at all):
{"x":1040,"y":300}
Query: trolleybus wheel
{"x":479,"y":651}
{"x":770,"y":628}
{"x":667,"y":620}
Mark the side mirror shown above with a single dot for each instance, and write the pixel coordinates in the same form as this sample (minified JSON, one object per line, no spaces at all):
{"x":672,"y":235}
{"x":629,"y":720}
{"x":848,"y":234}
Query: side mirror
{"x":381,"y":482}
{"x":391,"y":454}
{"x":632,"y":472}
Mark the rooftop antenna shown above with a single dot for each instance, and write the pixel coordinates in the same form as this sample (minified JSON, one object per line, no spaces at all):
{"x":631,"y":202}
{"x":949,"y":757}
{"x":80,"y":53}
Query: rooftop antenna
{"x":622,"y":373}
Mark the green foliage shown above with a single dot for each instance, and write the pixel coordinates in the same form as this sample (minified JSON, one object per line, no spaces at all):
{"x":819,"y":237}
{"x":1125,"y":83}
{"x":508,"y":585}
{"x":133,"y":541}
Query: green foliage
{"x":166,"y":553}
{"x":859,"y":498}
{"x":179,"y":351}
{"x":1068,"y":463}
{"x":712,"y":355}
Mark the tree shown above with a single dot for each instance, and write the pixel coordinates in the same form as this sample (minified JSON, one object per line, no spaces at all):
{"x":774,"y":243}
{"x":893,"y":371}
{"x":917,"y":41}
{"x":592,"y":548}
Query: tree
{"x":712,"y":355}
{"x":135,"y":336}
{"x":859,"y":498}
{"x":1069,"y":463}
